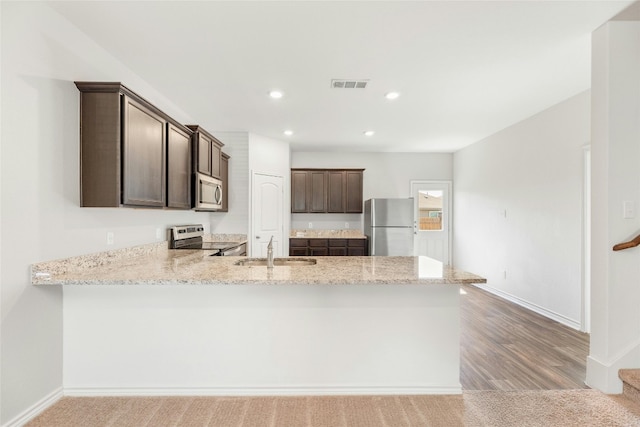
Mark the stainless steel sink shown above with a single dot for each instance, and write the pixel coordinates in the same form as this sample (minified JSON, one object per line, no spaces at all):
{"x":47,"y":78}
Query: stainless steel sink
{"x":286,"y":262}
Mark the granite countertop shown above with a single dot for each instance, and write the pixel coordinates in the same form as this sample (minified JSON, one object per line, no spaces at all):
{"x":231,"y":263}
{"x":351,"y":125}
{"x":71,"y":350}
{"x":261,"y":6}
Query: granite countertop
{"x":156,"y":265}
{"x":327,"y":234}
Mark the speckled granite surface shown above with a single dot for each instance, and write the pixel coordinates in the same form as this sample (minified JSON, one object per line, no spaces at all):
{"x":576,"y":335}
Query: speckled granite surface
{"x":240,"y":238}
{"x":327,"y":234}
{"x":196,"y":267}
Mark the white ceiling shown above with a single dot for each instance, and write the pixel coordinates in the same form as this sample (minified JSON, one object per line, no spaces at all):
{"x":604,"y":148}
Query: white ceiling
{"x":465,"y":69}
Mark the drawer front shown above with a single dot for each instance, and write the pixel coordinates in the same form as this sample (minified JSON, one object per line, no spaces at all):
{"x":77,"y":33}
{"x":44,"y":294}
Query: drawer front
{"x":357,"y":243}
{"x":337,"y":242}
{"x":318,"y":243}
{"x":298,"y":243}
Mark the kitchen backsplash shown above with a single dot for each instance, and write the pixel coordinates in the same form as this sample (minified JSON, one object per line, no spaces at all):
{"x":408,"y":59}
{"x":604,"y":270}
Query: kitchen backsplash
{"x":304,"y":221}
{"x":347,"y":234}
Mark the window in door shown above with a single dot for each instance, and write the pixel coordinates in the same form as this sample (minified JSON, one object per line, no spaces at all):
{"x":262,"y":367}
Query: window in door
{"x":430,"y":210}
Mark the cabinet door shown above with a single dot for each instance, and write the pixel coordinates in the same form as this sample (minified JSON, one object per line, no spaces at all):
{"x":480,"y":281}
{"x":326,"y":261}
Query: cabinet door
{"x":356,"y":252}
{"x":298,"y":247}
{"x":299,"y":191}
{"x":336,"y":192}
{"x":357,"y":247}
{"x":203,"y":154}
{"x":337,"y":251}
{"x":318,"y":187}
{"x":224,"y":176}
{"x":319,"y":251}
{"x":354,"y":191}
{"x":178,"y":168}
{"x":216,"y":159}
{"x":144,"y":147}
{"x":298,"y":252}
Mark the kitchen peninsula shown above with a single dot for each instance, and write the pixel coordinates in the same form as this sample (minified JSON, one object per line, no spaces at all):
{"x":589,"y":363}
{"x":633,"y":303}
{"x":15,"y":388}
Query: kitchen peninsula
{"x":157,"y":321}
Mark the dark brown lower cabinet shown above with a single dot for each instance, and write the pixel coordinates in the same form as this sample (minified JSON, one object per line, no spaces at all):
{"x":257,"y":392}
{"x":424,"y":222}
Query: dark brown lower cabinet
{"x":318,"y":247}
{"x":327,"y":247}
{"x":298,"y":247}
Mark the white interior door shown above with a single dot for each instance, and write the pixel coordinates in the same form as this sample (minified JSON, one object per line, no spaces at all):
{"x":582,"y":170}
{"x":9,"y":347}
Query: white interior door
{"x":432,"y":207}
{"x":267,"y":211}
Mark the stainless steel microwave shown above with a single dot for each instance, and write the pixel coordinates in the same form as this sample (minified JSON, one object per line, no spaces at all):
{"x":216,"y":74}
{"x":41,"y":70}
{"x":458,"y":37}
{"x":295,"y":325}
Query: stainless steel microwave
{"x":207,"y":193}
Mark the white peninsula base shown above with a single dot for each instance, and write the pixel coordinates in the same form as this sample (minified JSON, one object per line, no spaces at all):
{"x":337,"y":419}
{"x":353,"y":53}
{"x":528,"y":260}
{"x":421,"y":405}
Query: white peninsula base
{"x":261,"y":339}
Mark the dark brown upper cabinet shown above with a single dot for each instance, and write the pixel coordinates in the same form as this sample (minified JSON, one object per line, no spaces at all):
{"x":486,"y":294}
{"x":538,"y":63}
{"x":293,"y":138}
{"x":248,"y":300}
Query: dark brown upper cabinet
{"x":207,"y":152}
{"x":326,"y":190}
{"x":299,"y":191}
{"x":337,"y":195}
{"x":353,"y":191}
{"x":124,"y":149}
{"x":224,"y":177}
{"x":143,"y":161}
{"x":317,"y":191}
{"x":178,"y":168}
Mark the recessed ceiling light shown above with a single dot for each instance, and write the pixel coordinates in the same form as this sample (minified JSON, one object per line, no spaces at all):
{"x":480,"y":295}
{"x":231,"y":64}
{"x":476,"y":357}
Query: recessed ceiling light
{"x":288,"y":132}
{"x":392,"y":95}
{"x":276,"y":94}
{"x":368,"y":133}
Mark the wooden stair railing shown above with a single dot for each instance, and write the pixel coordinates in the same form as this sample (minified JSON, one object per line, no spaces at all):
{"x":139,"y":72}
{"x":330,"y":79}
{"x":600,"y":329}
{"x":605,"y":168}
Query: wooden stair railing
{"x":628,"y":245}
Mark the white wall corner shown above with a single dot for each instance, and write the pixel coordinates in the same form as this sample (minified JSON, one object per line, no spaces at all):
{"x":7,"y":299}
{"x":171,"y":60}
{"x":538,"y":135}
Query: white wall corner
{"x":35,"y":409}
{"x":603,"y":376}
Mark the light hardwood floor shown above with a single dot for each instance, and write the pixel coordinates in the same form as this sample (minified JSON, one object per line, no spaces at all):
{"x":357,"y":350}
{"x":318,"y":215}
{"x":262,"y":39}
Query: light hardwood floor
{"x":508,"y":347}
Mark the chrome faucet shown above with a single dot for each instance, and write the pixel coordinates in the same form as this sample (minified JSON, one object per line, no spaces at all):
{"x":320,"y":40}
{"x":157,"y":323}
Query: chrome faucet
{"x":270,"y":253}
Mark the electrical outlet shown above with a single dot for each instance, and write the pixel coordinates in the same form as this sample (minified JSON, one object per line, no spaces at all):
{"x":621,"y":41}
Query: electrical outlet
{"x":110,"y":237}
{"x":346,"y":225}
{"x":310,"y":225}
{"x":158,"y":233}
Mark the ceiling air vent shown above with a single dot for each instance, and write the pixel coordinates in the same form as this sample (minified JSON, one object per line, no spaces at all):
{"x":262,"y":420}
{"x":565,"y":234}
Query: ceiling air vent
{"x":349,"y":84}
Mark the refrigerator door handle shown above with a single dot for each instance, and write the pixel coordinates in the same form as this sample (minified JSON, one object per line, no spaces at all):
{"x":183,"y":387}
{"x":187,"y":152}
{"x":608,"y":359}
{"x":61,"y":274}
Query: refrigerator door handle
{"x":372,"y":245}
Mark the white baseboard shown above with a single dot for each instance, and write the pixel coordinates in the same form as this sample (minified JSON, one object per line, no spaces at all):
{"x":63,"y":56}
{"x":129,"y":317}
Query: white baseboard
{"x":603,"y":375}
{"x":533,"y":307}
{"x":259,"y":391}
{"x":35,"y":409}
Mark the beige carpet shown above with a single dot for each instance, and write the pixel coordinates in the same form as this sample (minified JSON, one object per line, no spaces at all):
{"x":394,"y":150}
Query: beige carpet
{"x":482,"y":408}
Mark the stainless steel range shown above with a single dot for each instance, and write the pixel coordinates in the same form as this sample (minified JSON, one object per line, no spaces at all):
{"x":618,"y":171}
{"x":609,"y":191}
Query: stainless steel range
{"x":191,"y":237}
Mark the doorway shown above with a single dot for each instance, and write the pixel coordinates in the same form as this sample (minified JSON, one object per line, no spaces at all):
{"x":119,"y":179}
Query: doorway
{"x":432,"y":219}
{"x":267,"y":214}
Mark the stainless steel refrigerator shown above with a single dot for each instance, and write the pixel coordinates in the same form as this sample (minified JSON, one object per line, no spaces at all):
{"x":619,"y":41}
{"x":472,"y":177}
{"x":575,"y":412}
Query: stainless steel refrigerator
{"x":388,"y":224}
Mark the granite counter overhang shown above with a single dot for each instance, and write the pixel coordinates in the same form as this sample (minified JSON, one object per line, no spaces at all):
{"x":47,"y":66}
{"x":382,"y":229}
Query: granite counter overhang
{"x":161,"y":266}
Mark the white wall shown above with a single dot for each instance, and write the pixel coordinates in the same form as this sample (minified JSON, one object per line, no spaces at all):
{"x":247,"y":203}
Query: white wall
{"x":386,"y":175}
{"x":615,"y":332}
{"x":533,"y":171}
{"x":42,"y":54}
{"x":256,"y":339}
{"x":272,"y":157}
{"x":236,"y":145}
